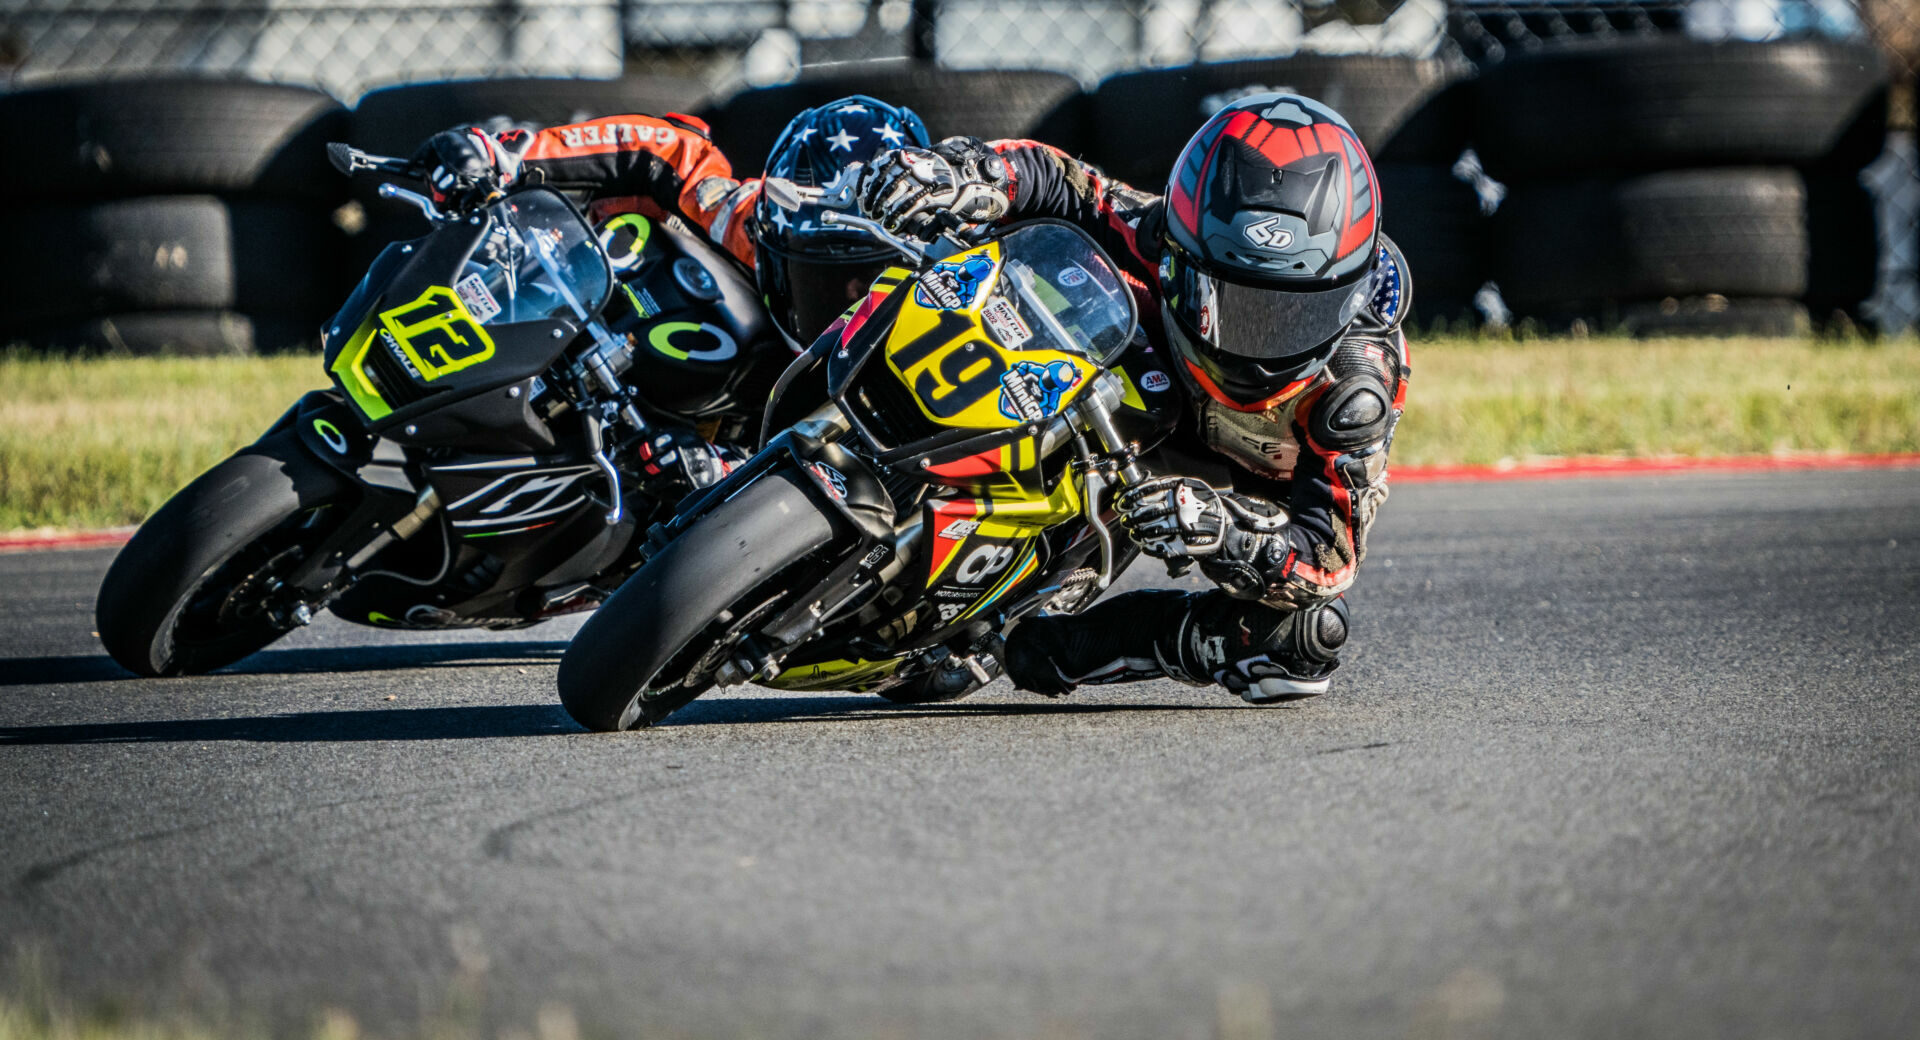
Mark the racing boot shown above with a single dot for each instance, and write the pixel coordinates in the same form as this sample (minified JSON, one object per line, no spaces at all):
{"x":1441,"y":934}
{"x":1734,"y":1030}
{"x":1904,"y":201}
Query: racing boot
{"x":1261,"y":653}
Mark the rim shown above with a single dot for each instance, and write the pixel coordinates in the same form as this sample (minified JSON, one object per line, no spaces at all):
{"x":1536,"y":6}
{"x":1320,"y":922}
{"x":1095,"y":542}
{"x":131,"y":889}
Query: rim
{"x":239,"y":596}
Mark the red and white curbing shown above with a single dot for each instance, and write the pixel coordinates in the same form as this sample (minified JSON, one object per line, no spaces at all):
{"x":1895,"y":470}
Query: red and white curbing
{"x":1533,"y":469}
{"x":32,"y":541}
{"x":1612,"y":466}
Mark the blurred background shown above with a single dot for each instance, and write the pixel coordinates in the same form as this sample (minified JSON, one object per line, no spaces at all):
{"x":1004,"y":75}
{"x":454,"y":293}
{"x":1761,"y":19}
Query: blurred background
{"x":1647,"y":167}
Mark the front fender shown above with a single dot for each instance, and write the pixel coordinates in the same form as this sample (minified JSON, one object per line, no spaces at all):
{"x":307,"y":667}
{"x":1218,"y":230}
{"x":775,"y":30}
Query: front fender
{"x":334,"y":434}
{"x":841,"y":482}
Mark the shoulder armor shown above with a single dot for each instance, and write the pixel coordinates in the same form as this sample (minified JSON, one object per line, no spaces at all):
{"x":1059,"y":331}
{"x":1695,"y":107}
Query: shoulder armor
{"x":1356,"y":410}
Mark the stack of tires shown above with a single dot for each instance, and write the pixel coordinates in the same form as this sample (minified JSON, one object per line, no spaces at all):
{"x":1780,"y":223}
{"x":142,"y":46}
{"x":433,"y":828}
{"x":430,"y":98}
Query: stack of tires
{"x":169,"y":216}
{"x":1413,"y":115}
{"x":395,"y":120}
{"x":1674,"y":186}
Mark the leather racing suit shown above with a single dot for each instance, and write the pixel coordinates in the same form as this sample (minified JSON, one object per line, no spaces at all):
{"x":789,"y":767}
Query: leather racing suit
{"x":1306,"y":479}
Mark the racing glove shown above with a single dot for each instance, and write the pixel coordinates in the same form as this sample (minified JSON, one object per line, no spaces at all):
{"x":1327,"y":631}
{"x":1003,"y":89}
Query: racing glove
{"x":911,"y":190}
{"x":679,"y":456}
{"x":1235,"y":539}
{"x":467,"y":167}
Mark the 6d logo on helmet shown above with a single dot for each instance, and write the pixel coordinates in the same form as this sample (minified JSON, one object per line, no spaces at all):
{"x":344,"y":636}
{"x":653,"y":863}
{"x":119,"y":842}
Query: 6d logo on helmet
{"x":437,"y":334}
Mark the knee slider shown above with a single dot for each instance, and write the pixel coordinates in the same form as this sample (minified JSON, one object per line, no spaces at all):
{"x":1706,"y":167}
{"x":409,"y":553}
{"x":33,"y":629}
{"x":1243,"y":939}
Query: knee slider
{"x":1320,"y":631}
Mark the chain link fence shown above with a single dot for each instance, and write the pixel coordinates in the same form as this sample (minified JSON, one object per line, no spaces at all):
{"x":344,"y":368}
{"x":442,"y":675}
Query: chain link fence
{"x":348,"y":47}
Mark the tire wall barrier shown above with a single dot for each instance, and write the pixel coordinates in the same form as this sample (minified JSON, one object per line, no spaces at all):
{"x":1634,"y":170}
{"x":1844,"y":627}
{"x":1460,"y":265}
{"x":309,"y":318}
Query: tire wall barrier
{"x":1670,"y":185}
{"x":1652,"y":184}
{"x":170,"y":215}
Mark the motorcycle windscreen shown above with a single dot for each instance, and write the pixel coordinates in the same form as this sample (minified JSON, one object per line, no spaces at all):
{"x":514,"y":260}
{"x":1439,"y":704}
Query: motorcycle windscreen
{"x":1063,"y":295}
{"x":538,"y":260}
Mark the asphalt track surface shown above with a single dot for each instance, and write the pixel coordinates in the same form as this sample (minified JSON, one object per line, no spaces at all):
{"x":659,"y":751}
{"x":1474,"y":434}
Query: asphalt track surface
{"x":1621,"y":757}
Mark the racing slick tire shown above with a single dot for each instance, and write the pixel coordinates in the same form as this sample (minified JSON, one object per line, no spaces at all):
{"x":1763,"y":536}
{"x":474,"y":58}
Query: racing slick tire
{"x":153,"y":135}
{"x":395,"y":120}
{"x":638,"y":658}
{"x":1670,"y":102}
{"x":177,"y":252}
{"x":188,"y":333}
{"x":1734,"y":232}
{"x":1404,"y":109}
{"x":184,"y":595}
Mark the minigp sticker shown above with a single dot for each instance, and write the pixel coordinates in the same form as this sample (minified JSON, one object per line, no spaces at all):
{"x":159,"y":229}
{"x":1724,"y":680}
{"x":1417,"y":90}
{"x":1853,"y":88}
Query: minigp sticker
{"x":1032,"y":391}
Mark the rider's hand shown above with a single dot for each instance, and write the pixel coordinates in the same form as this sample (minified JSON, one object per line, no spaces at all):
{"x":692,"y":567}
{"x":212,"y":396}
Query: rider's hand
{"x":907,"y":189}
{"x":1173,"y":517}
{"x":678,"y":455}
{"x":467,"y":167}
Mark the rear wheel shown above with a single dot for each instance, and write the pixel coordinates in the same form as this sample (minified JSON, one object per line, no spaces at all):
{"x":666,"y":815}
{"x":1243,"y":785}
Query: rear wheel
{"x":653,"y":646}
{"x":198,"y":586}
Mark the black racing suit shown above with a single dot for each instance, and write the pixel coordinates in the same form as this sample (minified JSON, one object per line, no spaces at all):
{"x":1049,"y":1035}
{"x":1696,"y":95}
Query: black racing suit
{"x":1309,"y":472}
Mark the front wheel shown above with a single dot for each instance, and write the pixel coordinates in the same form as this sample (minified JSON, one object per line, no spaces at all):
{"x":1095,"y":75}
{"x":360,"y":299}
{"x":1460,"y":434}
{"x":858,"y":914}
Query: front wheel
{"x":196,"y":586}
{"x":650,"y":648}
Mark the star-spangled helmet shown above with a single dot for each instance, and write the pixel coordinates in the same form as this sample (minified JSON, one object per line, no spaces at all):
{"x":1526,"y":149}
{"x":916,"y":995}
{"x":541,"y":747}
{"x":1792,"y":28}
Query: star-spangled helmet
{"x":810,"y":271}
{"x":1273,"y":224}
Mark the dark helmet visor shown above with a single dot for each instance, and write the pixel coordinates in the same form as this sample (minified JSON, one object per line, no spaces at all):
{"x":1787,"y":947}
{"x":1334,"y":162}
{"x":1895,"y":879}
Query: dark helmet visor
{"x":1278,"y":327}
{"x":807,"y":289}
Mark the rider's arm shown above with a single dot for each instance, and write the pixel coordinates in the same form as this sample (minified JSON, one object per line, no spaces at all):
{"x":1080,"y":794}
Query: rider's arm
{"x":1047,"y":182}
{"x":632,"y":161}
{"x":1340,"y":477}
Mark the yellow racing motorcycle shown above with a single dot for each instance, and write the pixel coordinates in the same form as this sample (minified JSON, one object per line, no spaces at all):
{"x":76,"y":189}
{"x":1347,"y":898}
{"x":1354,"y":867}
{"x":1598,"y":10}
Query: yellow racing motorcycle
{"x":978,"y":413}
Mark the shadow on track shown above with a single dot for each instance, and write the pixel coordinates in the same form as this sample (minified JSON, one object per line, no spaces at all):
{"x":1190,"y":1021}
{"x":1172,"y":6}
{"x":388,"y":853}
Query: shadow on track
{"x":857,"y":708}
{"x":535,"y":720}
{"x":466,"y":723}
{"x":37,"y":671}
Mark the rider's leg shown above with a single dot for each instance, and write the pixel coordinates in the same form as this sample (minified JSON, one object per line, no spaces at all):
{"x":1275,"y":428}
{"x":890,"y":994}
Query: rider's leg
{"x":1259,"y":652}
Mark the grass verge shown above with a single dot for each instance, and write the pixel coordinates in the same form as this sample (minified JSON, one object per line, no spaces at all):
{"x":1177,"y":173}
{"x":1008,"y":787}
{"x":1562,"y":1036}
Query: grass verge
{"x":101,"y":443}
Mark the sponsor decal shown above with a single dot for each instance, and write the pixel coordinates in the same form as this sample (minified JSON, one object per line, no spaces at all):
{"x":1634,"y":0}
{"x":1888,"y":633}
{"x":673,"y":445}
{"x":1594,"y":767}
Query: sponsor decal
{"x":949,"y":611}
{"x":1005,"y":323}
{"x":1155,"y":381}
{"x":643,"y":302}
{"x":692,"y":341}
{"x":982,"y":563}
{"x":394,"y":351}
{"x":473,"y":292}
{"x":520,"y":497}
{"x":1213,"y":652}
{"x":1031,"y":390}
{"x":959,"y":529}
{"x":953,"y":284}
{"x":592,"y":134}
{"x":625,"y":240}
{"x":874,"y":556}
{"x":1268,"y":234}
{"x":1073,"y":276}
{"x":835,"y":481}
{"x":331,"y":434}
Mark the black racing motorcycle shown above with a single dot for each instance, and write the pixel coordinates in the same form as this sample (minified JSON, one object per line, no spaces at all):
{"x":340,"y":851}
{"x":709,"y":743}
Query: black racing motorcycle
{"x":516,"y":397}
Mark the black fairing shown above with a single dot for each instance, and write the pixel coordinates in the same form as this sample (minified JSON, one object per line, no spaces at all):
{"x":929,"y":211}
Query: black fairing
{"x":700,"y":349}
{"x":455,"y":408}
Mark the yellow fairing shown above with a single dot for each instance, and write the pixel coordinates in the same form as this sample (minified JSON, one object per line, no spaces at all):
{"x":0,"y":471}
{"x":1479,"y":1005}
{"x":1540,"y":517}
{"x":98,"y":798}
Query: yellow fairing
{"x":958,"y":370}
{"x":350,"y":367}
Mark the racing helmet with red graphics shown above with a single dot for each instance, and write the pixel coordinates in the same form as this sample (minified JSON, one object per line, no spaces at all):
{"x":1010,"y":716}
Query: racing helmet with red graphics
{"x":1273,"y":226}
